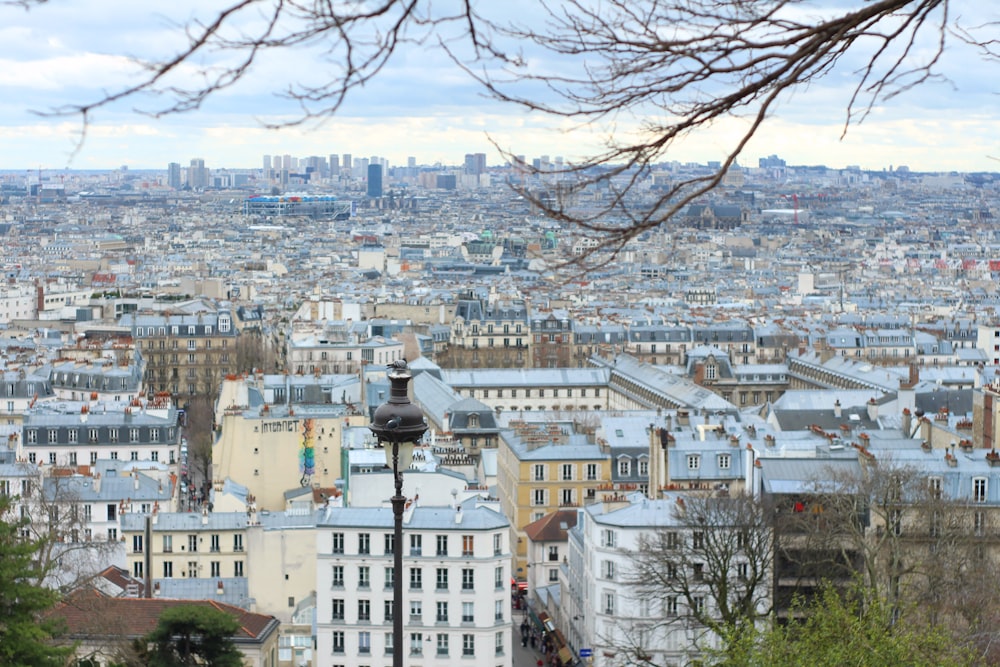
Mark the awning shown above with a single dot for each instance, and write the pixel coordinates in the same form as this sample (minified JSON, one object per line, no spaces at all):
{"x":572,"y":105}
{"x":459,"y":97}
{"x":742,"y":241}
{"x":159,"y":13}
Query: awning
{"x":521,"y":585}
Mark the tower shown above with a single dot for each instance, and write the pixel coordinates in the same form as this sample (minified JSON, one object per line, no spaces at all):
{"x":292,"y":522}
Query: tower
{"x":374,"y":180}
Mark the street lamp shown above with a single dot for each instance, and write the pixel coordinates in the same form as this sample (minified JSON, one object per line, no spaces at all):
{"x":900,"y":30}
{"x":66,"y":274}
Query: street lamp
{"x":398,"y":425}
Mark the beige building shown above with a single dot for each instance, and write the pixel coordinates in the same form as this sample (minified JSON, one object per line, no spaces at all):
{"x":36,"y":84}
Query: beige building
{"x":281,"y":433}
{"x":186,"y":545}
{"x":281,"y":569}
{"x":542,"y":468}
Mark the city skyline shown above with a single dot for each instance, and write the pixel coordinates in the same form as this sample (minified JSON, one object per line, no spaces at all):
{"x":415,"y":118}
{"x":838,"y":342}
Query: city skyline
{"x":422,"y":105}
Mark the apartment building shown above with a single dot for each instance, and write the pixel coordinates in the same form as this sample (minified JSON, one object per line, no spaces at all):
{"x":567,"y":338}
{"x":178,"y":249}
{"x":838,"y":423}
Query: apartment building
{"x":208,"y":546}
{"x":456,"y":575}
{"x":72,"y":434}
{"x":489,"y":333}
{"x":277,"y":433}
{"x":186,"y":354}
{"x":542,"y":467}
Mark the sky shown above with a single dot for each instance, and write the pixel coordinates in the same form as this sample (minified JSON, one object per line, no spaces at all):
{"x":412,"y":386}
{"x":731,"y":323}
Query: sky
{"x":422,"y":105}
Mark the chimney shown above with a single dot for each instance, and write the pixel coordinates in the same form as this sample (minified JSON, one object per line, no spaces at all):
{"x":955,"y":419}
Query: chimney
{"x":872,"y":409}
{"x":838,"y":411}
{"x":204,"y":516}
{"x":907,"y":422}
{"x":683,"y":418}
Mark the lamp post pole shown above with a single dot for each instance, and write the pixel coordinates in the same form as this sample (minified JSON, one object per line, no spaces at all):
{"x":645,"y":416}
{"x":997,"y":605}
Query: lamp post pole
{"x":398,"y":425}
{"x":398,"y":501}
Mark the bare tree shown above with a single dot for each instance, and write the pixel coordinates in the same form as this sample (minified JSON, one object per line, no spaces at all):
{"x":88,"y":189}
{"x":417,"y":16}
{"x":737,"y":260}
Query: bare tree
{"x":200,"y":435}
{"x":674,"y":67}
{"x":68,"y":555}
{"x":712,"y":572}
{"x":923,"y":554}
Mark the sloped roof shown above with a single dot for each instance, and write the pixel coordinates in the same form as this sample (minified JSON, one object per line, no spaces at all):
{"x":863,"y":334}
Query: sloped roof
{"x":552,"y":527}
{"x":90,"y":614}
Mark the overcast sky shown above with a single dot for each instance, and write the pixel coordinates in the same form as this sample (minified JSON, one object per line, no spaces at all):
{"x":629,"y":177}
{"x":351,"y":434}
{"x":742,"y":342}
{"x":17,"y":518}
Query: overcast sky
{"x":422,"y":105}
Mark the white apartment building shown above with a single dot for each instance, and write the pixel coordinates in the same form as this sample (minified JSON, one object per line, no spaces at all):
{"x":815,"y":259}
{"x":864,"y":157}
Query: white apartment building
{"x":456,"y":577}
{"x":602,"y":611}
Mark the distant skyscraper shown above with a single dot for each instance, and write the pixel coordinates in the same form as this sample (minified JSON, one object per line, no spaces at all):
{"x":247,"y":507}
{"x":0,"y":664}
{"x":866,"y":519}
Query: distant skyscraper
{"x":197,"y":175}
{"x":411,"y":163}
{"x":267,"y":163}
{"x":347,"y":165}
{"x":174,"y":175}
{"x":374,"y":180}
{"x":475,"y":163}
{"x":334,"y":164}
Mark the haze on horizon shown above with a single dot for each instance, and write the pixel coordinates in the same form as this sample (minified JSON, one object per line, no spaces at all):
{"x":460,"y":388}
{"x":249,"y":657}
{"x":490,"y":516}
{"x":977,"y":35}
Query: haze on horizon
{"x":422,"y":106}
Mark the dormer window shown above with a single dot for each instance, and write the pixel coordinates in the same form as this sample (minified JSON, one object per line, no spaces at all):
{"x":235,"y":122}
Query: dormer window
{"x":473,"y":421}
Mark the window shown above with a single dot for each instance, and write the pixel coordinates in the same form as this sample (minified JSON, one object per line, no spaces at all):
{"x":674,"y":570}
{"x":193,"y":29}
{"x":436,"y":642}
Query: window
{"x":390,"y":543}
{"x":538,"y":472}
{"x":237,"y":543}
{"x":670,"y":606}
{"x":591,"y":472}
{"x":364,"y":577}
{"x":979,"y":489}
{"x":416,"y":610}
{"x":934,"y":487}
{"x":608,"y":569}
{"x":338,"y":641}
{"x":364,"y":642}
{"x":698,"y":571}
{"x":498,"y":578}
{"x":694,"y":461}
{"x":725,"y":461}
{"x":364,"y":543}
{"x":192,"y":543}
{"x":442,"y":545}
{"x":609,"y":538}
{"x":338,"y":543}
{"x":442,"y":579}
{"x":442,"y":612}
{"x":609,"y":603}
{"x":168,"y":569}
{"x":364,"y":610}
{"x":743,"y":570}
{"x":698,"y":539}
{"x":390,"y":577}
{"x":337,"y":609}
{"x":416,"y":643}
{"x":498,"y":643}
{"x":539,"y":497}
{"x":137,"y":544}
{"x":387,"y":610}
{"x":643,"y":467}
{"x":112,"y":512}
{"x":238,"y":568}
{"x":214,"y":543}
{"x":337,"y":576}
{"x":468,"y":543}
{"x":624,"y":467}
{"x":442,"y":643}
{"x":497,"y":544}
{"x":416,"y":542}
{"x":416,"y":578}
{"x":698,"y":605}
{"x":567,"y":472}
{"x":468,"y":644}
{"x":168,"y":544}
{"x":498,"y":607}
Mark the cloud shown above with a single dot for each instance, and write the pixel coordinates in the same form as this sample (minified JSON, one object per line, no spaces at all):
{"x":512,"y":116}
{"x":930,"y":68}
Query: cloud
{"x":422,"y":104}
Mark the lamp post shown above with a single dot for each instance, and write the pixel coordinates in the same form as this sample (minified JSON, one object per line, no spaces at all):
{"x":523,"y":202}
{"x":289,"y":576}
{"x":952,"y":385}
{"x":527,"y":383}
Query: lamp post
{"x":398,"y":425}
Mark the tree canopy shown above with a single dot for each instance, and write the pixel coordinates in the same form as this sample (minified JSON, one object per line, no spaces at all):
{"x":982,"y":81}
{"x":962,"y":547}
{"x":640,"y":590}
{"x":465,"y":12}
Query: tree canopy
{"x":194,"y":635}
{"x":26,"y":636}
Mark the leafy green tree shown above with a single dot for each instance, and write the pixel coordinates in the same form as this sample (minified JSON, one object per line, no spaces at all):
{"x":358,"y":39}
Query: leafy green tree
{"x":26,"y":636}
{"x":836,"y":629}
{"x":194,"y":635}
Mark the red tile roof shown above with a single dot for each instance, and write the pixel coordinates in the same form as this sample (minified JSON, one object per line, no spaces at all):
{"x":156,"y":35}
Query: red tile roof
{"x":552,"y":527}
{"x":90,"y":614}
